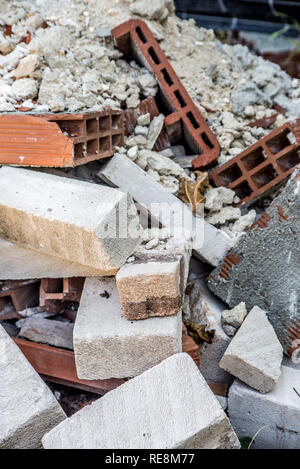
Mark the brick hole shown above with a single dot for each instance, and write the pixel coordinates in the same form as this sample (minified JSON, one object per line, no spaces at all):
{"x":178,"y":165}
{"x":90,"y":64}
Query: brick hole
{"x":141,"y":35}
{"x":281,"y":141}
{"x":116,"y":140}
{"x":154,"y":56}
{"x":104,"y":123}
{"x":243,"y":190}
{"x":104,"y":144}
{"x":167,"y":77}
{"x":253,"y":159}
{"x":116,"y":121}
{"x":180,"y":98}
{"x":78,"y":150}
{"x":92,"y":147}
{"x":92,"y":126}
{"x":53,"y":285}
{"x":72,"y":128}
{"x":264,"y":176}
{"x":289,"y":160}
{"x":206,"y":140}
{"x":230,"y":174}
{"x":192,"y":119}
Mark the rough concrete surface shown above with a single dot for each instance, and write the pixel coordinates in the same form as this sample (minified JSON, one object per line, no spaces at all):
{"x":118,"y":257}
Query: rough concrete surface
{"x":51,"y":332}
{"x":255,"y":354}
{"x":68,"y":218}
{"x":276,"y":414}
{"x":268,"y":266}
{"x":210,"y":244}
{"x":107,"y":345}
{"x":28,"y":408}
{"x":169,"y":406}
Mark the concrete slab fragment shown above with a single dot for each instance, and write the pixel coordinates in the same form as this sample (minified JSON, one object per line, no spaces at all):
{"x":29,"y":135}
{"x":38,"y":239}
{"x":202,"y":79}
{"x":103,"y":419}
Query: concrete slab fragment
{"x":255,"y":354}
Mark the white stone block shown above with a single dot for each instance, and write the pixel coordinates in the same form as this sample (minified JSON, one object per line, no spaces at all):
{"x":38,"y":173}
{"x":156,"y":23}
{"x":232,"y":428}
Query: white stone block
{"x":276,"y":415}
{"x":168,"y":406}
{"x":107,"y":345}
{"x":255,"y":354}
{"x":28,"y":409}
{"x":68,"y":218}
{"x":209,"y":243}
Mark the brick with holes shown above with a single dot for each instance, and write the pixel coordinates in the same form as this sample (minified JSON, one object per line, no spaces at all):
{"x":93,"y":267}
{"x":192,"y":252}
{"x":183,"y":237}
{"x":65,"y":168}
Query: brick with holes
{"x":68,"y":218}
{"x":263,"y":165}
{"x":184,"y":120}
{"x":263,"y":269}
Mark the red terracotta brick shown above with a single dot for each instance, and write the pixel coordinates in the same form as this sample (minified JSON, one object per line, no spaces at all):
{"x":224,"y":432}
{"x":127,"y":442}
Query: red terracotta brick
{"x":59,"y":140}
{"x":55,"y":293}
{"x":263,"y":165}
{"x":134,"y":39}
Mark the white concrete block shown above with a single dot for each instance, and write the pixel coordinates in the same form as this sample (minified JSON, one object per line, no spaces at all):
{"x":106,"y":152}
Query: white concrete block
{"x":276,"y":414}
{"x":28,"y":409}
{"x":68,"y":218}
{"x":209,"y":243}
{"x":255,"y":354}
{"x":107,"y":345}
{"x":168,"y":406}
{"x":19,"y":263}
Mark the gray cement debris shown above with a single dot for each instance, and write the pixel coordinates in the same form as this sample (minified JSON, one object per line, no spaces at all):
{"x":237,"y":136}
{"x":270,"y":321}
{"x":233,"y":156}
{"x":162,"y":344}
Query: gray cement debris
{"x":255,"y":354}
{"x":28,"y":408}
{"x":266,"y":267}
{"x":51,"y":332}
{"x":169,"y":406}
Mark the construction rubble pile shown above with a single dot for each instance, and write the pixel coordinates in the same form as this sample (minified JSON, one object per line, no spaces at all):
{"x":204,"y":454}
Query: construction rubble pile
{"x":149,"y":233}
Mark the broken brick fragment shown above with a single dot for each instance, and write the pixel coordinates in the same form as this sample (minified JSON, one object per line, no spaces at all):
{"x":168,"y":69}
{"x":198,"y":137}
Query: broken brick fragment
{"x":55,"y":293}
{"x":134,"y":38}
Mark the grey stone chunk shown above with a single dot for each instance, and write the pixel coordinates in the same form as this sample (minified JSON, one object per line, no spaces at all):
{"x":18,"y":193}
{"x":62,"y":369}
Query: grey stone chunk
{"x":233,"y":318}
{"x":210,"y":244}
{"x":45,"y":331}
{"x":267,"y":271}
{"x":255,"y":354}
{"x":275,"y":416}
{"x":68,"y":218}
{"x":28,"y":409}
{"x":19,"y":263}
{"x":107,"y":345}
{"x":168,"y":406}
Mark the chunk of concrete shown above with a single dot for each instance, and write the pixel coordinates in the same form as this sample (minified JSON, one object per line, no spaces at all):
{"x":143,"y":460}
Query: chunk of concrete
{"x":209,"y":243}
{"x":51,"y":332}
{"x":205,"y":311}
{"x":149,"y":289}
{"x":68,"y":218}
{"x":28,"y":409}
{"x":263,"y":268}
{"x":232,"y":319}
{"x":255,"y":354}
{"x":168,"y":406}
{"x":107,"y":345}
{"x":19,"y":263}
{"x":274,"y":417}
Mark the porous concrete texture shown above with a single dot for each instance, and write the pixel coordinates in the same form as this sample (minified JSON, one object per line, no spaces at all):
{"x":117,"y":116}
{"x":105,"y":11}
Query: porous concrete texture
{"x":263,"y":269}
{"x":19,"y":263}
{"x":68,"y":218}
{"x":255,"y":354}
{"x":169,"y":406}
{"x":107,"y":345}
{"x":205,"y":311}
{"x":28,"y":409}
{"x":210,"y":244}
{"x":45,"y":331}
{"x":150,"y":288}
{"x":275,"y":416}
